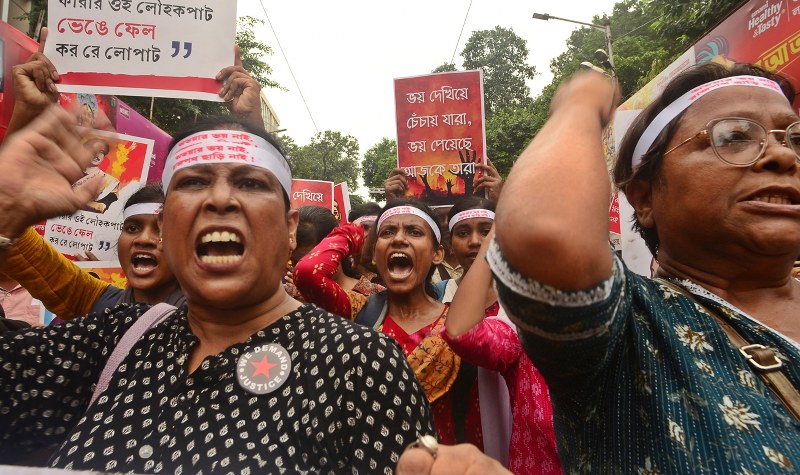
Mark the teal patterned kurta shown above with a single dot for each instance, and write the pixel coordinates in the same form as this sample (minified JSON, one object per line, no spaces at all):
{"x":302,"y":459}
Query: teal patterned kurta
{"x":645,"y":382}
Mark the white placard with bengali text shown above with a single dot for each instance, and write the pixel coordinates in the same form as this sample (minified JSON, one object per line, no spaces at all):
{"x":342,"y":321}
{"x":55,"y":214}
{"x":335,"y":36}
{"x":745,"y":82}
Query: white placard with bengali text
{"x":164,"y":48}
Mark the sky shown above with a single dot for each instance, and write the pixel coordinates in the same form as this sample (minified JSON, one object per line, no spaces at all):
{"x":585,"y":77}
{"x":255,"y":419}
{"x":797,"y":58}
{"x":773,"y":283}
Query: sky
{"x":346,"y":53}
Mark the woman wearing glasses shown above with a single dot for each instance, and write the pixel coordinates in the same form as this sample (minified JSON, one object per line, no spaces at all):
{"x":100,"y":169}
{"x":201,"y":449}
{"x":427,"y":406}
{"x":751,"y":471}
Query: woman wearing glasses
{"x":650,"y":375}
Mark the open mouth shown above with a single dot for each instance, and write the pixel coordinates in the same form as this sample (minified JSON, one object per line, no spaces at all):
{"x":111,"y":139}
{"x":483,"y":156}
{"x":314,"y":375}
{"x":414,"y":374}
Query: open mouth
{"x":399,"y":265}
{"x":220,"y":247}
{"x":143,"y":263}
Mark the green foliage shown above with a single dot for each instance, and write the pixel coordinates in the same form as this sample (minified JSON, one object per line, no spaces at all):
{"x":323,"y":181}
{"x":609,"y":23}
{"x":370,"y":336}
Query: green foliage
{"x":174,"y":114}
{"x":252,"y":52}
{"x":38,"y":8}
{"x":503,"y":56}
{"x":647,"y":36}
{"x":683,"y":22}
{"x":356,"y":200}
{"x":330,"y":156}
{"x":379,"y":160}
{"x":445,"y":67}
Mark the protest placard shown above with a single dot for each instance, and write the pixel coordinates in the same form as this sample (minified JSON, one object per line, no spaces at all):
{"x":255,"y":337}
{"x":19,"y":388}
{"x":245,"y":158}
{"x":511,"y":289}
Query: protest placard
{"x":311,"y":193}
{"x":341,"y":202}
{"x":104,"y":112}
{"x":440,"y":134}
{"x":123,"y":166}
{"x":142,"y":48}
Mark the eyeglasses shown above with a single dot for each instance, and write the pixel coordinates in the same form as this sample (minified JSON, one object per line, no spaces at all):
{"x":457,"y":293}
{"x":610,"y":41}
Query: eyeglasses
{"x":741,"y":142}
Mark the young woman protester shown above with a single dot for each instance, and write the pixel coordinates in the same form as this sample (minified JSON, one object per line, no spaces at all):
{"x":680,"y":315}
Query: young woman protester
{"x":69,"y":292}
{"x":65,"y":289}
{"x":515,"y":404}
{"x":698,"y":370}
{"x":406,"y":243}
{"x":242,"y":378}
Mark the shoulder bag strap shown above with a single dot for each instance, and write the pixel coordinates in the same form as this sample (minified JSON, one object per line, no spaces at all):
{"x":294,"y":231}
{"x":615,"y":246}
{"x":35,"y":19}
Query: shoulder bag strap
{"x":374,"y":311}
{"x":762,"y":358}
{"x":155,"y":315}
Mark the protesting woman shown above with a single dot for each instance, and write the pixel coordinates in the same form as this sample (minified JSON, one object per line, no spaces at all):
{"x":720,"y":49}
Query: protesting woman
{"x":242,"y":378}
{"x":664,"y":375}
{"x":69,"y":291}
{"x":406,"y":243}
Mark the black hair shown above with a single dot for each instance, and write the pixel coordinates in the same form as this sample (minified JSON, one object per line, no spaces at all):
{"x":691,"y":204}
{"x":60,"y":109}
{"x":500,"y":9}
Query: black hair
{"x":315,"y":223}
{"x":152,"y":193}
{"x":365,"y":209}
{"x":215,"y":122}
{"x":650,"y":168}
{"x":373,"y":236}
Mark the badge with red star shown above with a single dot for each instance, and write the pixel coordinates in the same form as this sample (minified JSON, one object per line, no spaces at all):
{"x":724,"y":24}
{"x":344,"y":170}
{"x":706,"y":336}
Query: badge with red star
{"x":263,"y":369}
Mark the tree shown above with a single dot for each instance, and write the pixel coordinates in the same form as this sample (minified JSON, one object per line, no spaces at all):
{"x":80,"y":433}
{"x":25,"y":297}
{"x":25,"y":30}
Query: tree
{"x":356,"y":200}
{"x":330,"y":156}
{"x":379,"y":160}
{"x":503,"y":56}
{"x":445,"y":68}
{"x":683,"y":22}
{"x":174,"y":114}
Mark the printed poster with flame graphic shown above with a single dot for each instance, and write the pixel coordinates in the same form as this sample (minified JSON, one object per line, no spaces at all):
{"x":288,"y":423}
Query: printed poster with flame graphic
{"x":107,"y":273}
{"x":311,"y":193}
{"x":122,"y":169}
{"x":440,"y":134}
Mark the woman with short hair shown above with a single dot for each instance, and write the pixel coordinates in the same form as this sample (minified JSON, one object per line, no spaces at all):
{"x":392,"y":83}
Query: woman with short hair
{"x":242,"y":378}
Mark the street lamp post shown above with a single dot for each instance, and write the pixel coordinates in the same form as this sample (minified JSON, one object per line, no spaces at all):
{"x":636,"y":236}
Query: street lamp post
{"x":604,"y":28}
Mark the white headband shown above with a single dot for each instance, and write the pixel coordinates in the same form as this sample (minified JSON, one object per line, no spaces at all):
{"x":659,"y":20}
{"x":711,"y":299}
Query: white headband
{"x":227,"y":146}
{"x":469,"y":214}
{"x":397,"y":210}
{"x":141,"y":208}
{"x":682,"y":103}
{"x":370,"y":218}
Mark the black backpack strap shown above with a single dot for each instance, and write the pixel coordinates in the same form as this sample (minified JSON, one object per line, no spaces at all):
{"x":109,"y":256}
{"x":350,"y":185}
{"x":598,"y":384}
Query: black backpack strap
{"x":374,"y":311}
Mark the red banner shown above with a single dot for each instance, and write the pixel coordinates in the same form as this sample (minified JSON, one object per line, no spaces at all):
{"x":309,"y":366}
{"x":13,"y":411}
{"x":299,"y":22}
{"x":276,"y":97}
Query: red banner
{"x":440,"y":134}
{"x":15,"y":48}
{"x":312,"y":193}
{"x":763,"y":32}
{"x":341,"y":202}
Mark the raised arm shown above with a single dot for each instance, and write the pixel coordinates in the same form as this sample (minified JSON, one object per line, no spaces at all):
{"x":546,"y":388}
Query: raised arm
{"x":34,"y":87}
{"x":552,"y":218}
{"x":64,"y":288}
{"x":314,"y":273}
{"x":467,"y":308}
{"x":241,"y":93}
{"x":40,"y":163}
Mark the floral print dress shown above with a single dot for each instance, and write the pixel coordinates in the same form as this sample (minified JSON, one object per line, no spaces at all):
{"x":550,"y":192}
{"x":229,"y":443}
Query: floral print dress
{"x":644,"y":381}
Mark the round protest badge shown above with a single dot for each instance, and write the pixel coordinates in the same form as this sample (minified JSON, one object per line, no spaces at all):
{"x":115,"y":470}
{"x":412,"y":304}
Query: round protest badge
{"x":263,"y":369}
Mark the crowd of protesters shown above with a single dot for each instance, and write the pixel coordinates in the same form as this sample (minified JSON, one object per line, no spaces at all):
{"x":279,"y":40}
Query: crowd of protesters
{"x":503,"y":335}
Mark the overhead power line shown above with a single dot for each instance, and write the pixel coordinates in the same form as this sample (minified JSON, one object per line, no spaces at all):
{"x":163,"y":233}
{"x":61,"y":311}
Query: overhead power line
{"x":274,"y":32}
{"x":453,"y":58}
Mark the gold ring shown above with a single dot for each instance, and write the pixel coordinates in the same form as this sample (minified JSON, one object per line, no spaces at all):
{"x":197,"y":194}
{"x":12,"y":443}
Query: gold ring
{"x":427,"y":442}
